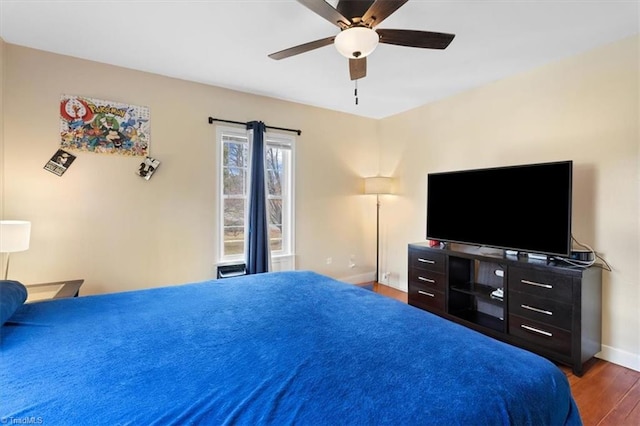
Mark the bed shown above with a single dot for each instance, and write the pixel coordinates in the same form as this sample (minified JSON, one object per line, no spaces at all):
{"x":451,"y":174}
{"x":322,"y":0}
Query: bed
{"x":276,"y":348}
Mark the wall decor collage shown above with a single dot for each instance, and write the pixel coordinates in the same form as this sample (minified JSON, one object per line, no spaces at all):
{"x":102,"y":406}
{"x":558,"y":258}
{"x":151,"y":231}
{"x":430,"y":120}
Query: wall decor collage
{"x":102,"y":127}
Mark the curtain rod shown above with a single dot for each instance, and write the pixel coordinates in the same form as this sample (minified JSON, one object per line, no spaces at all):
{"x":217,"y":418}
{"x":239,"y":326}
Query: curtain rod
{"x":211,"y":120}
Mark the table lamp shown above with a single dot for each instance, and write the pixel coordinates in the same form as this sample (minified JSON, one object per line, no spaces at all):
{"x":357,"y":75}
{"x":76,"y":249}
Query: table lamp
{"x":14,"y":237}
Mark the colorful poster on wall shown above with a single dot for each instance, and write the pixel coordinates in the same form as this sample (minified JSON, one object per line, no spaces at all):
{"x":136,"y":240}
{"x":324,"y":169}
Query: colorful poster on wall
{"x":104,"y":127}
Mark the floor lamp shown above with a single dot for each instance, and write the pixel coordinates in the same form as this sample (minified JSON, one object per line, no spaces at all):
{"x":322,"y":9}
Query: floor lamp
{"x":14,"y":236}
{"x":378,"y":185}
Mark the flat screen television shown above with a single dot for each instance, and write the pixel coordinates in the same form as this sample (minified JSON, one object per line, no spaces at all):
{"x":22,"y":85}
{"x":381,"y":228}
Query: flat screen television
{"x":526,"y":208}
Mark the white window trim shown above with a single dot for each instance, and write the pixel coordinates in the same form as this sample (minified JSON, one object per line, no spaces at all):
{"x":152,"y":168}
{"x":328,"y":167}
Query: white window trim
{"x":288,"y":141}
{"x":220,"y":131}
{"x":284,"y":260}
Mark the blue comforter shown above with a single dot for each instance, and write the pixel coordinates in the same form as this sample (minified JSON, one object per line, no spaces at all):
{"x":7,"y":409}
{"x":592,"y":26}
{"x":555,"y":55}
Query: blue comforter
{"x":277,"y":348}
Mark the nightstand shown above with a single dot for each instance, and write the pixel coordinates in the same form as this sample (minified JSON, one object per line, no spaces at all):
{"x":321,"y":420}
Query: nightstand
{"x":53,"y":290}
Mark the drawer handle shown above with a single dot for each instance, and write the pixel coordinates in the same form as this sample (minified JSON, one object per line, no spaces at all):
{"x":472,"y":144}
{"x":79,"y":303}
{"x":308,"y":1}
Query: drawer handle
{"x":536,"y":284}
{"x":426,"y":260}
{"x":536,"y":330}
{"x":429,"y":280}
{"x":541,"y":311}
{"x":426,"y":293}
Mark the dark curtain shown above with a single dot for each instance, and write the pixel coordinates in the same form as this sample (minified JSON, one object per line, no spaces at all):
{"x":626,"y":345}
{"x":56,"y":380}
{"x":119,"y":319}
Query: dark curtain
{"x":258,"y":241}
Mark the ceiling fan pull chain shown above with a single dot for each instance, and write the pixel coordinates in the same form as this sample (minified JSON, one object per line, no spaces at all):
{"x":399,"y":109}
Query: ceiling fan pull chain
{"x":355,"y":92}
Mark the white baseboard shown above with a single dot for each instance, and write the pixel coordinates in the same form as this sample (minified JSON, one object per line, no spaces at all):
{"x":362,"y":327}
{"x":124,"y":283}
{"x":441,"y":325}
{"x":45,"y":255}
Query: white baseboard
{"x":620,"y":357}
{"x":359,"y":279}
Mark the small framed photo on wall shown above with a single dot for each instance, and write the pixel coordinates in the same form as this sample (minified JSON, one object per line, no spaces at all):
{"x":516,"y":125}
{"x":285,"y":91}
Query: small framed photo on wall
{"x":148,"y":167}
{"x":60,"y":162}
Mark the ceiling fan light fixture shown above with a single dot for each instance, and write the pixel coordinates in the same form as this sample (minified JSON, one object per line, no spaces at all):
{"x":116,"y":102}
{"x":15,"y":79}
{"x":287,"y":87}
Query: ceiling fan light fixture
{"x":356,"y":42}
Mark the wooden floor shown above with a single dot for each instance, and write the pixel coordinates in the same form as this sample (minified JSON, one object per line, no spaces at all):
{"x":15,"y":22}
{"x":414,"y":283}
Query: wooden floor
{"x":606,"y":394}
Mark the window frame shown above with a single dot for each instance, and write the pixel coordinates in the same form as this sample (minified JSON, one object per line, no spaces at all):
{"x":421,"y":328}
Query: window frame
{"x":288,"y":142}
{"x":221,"y":132}
{"x":288,"y":212}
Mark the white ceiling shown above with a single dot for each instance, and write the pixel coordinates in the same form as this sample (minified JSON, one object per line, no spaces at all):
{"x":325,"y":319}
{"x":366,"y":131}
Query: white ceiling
{"x":226,"y":43}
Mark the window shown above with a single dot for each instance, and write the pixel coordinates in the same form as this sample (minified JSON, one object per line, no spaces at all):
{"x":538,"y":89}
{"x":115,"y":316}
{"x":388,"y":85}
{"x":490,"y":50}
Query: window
{"x":235,"y":153}
{"x":235,"y":181}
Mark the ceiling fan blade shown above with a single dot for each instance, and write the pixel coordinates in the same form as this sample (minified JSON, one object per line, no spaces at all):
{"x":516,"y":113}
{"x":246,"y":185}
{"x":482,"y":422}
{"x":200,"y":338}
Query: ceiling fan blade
{"x":327,"y":11}
{"x":296,"y":50}
{"x":411,"y":38}
{"x":357,"y":68}
{"x":381,"y":9}
{"x":354,"y":8}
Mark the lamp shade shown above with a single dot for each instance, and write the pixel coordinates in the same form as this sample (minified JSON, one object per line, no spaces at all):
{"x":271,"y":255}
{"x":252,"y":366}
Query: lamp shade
{"x":14,"y":235}
{"x":378,"y":185}
{"x":356,"y":42}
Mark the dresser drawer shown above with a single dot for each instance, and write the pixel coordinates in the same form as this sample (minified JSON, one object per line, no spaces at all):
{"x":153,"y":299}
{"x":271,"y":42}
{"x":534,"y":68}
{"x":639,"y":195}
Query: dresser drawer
{"x":424,"y":259}
{"x":550,"y":286}
{"x":426,"y":298}
{"x":428,"y":279}
{"x":547,"y":311}
{"x":540,"y":334}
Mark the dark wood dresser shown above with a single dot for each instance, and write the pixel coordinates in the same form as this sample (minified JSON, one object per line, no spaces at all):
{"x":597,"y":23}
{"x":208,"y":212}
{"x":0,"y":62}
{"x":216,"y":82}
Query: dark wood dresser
{"x":552,"y":309}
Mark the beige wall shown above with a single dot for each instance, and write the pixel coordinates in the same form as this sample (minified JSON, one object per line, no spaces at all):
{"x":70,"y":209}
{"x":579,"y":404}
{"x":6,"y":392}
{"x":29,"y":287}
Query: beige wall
{"x":2,"y":48}
{"x":103,"y":223}
{"x":583,"y":109}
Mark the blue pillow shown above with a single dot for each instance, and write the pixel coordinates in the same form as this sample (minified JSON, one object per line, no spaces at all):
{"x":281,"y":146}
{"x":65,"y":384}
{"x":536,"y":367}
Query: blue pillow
{"x":12,"y":296}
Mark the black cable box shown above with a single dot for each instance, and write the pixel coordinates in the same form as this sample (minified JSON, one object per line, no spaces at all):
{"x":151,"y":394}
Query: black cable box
{"x":582,"y":255}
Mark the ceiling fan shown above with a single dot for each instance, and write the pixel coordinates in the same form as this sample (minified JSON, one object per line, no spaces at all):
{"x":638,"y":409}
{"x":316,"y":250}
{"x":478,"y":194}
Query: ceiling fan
{"x":358,"y":37}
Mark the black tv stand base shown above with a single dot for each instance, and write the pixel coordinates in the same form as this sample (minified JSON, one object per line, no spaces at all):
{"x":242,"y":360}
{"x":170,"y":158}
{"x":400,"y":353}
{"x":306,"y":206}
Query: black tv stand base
{"x":554,"y":310}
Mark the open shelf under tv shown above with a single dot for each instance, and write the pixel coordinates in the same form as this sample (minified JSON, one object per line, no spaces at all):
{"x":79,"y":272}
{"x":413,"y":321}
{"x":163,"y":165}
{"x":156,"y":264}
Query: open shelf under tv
{"x":479,"y":318}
